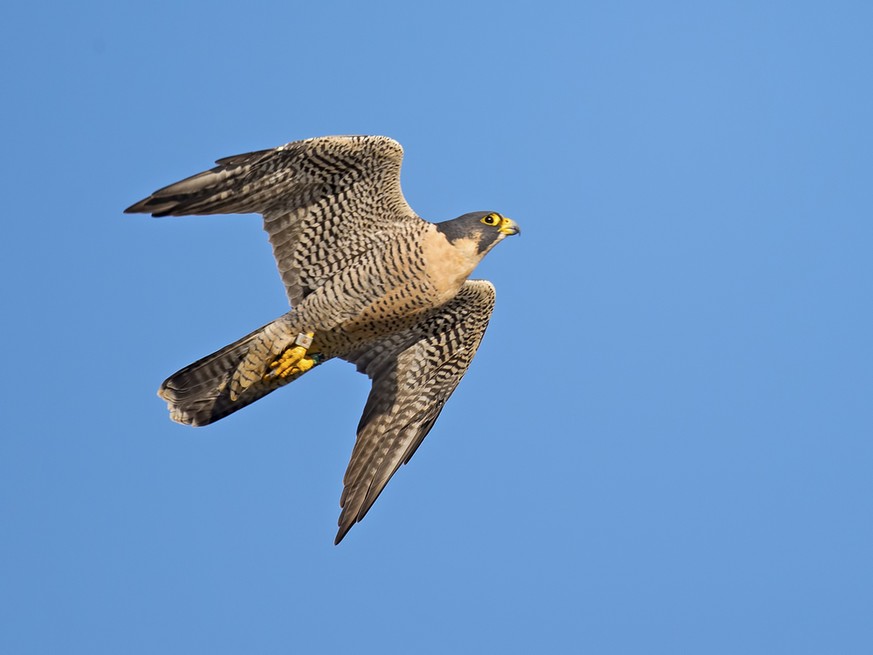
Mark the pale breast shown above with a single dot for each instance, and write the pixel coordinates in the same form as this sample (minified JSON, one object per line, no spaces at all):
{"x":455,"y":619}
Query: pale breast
{"x":448,"y":264}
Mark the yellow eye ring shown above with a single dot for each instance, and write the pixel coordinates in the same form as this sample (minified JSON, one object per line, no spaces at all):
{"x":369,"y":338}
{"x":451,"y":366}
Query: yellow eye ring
{"x":491,"y":219}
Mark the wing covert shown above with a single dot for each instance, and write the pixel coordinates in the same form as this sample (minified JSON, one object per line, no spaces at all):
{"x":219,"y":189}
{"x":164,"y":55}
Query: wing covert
{"x":324,"y":201}
{"x":414,"y":372}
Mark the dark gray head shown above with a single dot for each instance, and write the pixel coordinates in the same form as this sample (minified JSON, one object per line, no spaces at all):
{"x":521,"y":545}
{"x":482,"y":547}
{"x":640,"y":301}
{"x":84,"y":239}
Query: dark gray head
{"x":484,"y":228}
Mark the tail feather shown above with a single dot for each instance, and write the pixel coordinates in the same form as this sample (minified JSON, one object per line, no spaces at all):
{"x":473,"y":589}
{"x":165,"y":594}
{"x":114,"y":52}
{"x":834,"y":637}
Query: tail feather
{"x":209,"y":389}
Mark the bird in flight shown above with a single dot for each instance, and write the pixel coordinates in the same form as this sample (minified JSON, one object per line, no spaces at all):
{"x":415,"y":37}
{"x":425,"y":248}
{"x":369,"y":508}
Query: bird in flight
{"x":369,"y":282}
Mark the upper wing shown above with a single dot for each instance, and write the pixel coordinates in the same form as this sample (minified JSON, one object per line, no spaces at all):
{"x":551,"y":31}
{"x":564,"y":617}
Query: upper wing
{"x":414,"y":372}
{"x":324,"y":201}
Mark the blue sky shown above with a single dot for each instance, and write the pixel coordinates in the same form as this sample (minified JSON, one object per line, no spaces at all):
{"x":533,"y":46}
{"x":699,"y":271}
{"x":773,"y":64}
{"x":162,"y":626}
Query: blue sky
{"x":664,"y":444}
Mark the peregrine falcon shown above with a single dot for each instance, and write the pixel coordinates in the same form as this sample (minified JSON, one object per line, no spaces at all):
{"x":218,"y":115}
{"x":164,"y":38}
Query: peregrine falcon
{"x":368,"y":280}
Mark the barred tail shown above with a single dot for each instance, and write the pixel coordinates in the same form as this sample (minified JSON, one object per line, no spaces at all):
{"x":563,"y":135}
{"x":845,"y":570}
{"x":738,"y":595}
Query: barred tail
{"x":227,"y":380}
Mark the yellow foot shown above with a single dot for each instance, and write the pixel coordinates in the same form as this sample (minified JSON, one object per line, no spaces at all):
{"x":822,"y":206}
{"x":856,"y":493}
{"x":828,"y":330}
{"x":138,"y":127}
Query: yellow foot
{"x":293,"y":360}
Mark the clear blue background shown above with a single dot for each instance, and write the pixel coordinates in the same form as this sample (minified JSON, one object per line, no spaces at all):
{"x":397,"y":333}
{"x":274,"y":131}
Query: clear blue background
{"x":665,"y":443}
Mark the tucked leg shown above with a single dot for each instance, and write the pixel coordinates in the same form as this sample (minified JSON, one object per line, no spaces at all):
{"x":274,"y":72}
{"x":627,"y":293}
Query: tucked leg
{"x":294,"y":360}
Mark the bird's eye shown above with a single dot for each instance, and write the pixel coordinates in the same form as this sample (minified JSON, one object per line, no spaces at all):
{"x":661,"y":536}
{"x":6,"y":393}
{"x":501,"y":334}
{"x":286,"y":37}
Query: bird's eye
{"x":491,"y":219}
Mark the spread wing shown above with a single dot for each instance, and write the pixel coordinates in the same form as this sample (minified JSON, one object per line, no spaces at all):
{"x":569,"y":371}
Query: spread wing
{"x":324,"y":201}
{"x":414,"y":372}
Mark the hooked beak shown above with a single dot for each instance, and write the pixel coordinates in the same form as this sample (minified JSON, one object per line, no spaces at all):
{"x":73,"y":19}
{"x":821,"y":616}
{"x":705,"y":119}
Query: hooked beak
{"x":508,"y":226}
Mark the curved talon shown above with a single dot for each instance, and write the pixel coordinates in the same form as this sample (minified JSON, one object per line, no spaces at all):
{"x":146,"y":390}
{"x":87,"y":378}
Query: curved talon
{"x":293,"y":360}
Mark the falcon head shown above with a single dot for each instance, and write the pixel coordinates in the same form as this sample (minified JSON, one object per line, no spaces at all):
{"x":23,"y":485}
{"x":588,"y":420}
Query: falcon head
{"x":484,"y":229}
